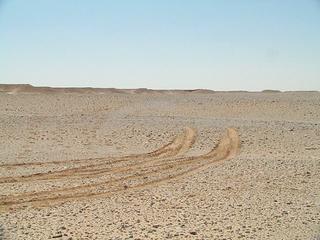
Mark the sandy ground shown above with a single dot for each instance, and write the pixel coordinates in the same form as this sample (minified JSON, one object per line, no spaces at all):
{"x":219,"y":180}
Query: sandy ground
{"x":159,"y":165}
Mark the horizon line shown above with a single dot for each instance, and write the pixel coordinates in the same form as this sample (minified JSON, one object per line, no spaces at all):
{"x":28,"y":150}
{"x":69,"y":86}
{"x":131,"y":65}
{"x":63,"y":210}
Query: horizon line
{"x":26,"y":87}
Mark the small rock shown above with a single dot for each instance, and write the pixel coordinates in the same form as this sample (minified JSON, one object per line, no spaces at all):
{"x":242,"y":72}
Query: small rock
{"x":57,"y":236}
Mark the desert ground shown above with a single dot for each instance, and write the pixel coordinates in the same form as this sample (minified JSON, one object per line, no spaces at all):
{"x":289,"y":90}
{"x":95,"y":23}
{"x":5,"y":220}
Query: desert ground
{"x":143,"y":164}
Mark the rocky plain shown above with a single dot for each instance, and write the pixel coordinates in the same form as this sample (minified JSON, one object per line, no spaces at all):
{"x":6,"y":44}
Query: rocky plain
{"x":150,"y":164}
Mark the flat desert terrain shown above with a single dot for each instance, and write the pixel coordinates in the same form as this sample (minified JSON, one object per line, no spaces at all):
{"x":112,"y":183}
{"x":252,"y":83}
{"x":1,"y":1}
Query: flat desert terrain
{"x":143,"y":164}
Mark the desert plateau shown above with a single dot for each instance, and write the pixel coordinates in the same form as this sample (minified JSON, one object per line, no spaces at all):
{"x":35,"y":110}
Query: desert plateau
{"x":117,"y":164}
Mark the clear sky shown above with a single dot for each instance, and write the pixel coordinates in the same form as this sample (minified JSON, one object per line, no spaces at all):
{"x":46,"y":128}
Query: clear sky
{"x":185,"y":44}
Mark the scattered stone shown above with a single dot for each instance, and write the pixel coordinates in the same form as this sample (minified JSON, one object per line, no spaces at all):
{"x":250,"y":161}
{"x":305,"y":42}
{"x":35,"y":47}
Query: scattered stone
{"x":59,"y":235}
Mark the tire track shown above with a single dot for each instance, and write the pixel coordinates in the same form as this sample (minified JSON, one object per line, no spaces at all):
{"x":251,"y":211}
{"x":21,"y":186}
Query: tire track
{"x":178,"y":146}
{"x":227,"y":148}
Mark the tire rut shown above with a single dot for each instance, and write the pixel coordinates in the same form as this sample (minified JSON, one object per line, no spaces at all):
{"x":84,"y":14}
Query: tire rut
{"x":147,"y":174}
{"x":178,"y":146}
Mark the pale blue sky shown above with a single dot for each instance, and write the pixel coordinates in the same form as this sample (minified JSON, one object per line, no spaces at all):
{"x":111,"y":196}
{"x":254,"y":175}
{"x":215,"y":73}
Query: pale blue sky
{"x":186,"y":44}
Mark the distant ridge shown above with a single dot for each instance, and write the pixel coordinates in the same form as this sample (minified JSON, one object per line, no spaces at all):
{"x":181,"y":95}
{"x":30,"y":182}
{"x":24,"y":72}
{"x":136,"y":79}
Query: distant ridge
{"x":27,"y":88}
{"x":270,"y":91}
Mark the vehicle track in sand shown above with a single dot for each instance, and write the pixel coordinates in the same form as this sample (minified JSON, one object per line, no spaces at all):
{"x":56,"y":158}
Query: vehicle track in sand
{"x":157,"y":167}
{"x":178,"y":146}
